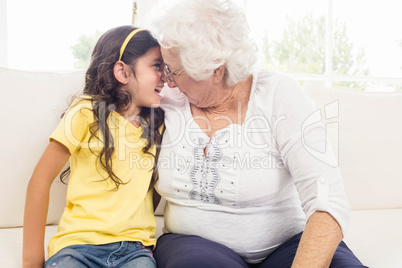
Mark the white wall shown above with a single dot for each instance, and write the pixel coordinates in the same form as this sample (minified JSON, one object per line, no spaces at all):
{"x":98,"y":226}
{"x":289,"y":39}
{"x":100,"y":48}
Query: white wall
{"x":3,"y":33}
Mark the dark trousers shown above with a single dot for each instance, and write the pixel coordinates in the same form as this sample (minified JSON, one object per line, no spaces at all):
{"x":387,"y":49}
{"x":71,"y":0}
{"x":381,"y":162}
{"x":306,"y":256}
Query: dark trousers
{"x":184,"y":251}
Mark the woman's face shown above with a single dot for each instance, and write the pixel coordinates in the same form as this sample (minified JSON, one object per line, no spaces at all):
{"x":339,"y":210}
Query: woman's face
{"x":202,"y":94}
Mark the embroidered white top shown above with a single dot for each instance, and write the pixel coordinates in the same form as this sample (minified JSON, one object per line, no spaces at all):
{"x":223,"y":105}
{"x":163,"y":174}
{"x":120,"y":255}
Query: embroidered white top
{"x":260,"y":181}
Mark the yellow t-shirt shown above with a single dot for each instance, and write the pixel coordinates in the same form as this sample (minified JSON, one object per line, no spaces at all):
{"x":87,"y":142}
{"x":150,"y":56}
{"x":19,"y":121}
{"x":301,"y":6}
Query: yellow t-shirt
{"x":95,"y":212}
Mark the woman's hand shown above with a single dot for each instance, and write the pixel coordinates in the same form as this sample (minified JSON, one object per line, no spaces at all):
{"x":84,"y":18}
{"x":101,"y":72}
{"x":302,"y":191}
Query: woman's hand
{"x":37,"y":202}
{"x":319,"y":241}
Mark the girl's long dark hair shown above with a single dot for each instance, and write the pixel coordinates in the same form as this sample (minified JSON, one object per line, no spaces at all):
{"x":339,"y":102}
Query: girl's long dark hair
{"x":103,"y":88}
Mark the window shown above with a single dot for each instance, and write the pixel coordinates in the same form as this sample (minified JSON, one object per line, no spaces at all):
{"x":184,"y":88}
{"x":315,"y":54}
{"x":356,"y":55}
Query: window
{"x":41,"y":34}
{"x":356,"y":43}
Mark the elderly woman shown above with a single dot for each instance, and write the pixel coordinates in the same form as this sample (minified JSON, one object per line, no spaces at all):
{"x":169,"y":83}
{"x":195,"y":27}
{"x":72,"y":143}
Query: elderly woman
{"x":242,"y":186}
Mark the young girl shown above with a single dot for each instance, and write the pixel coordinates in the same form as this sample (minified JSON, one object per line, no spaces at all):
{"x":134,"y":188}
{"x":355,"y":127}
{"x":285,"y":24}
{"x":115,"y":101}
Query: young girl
{"x":110,"y":136}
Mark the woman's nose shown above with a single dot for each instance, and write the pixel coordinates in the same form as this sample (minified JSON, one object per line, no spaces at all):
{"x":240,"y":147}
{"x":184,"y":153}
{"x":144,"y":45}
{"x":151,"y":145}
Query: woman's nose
{"x":171,"y":84}
{"x":164,"y":78}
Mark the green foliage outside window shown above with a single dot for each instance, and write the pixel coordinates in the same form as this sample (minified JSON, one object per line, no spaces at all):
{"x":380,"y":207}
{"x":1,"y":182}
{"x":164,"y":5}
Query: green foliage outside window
{"x":302,"y":50}
{"x":82,"y":50}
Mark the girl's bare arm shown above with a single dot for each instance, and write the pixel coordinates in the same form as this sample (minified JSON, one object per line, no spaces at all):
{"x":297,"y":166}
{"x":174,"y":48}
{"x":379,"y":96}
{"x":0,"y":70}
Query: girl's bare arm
{"x":37,"y":201}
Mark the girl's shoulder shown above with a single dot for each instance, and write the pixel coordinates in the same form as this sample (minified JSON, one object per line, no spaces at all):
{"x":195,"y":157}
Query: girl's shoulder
{"x":82,"y":105}
{"x":83,"y":101}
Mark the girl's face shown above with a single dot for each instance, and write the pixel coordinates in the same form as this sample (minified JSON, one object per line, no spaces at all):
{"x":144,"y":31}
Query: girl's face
{"x":145,"y":87}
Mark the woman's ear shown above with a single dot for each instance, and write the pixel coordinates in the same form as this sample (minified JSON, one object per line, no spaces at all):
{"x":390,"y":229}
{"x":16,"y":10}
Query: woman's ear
{"x":219,"y":74}
{"x":119,"y":71}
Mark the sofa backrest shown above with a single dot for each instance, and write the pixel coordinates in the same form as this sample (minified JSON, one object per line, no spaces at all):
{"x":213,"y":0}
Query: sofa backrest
{"x":368,"y":128}
{"x":366,"y":133}
{"x":31,"y":104}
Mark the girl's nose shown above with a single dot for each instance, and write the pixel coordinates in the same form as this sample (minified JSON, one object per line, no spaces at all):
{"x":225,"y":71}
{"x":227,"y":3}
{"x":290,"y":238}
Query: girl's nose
{"x":163,"y":77}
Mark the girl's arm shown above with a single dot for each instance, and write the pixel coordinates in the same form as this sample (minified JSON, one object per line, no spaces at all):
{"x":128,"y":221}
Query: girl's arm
{"x":37,"y":201}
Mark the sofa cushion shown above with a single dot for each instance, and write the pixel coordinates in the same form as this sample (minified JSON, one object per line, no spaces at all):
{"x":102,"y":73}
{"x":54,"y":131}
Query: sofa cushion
{"x":368,"y":128}
{"x":11,"y":245}
{"x":35,"y":100}
{"x":375,"y":237}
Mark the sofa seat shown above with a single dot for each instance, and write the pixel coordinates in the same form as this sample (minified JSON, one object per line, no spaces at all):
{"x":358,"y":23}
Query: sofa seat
{"x":11,"y":243}
{"x":375,"y":237}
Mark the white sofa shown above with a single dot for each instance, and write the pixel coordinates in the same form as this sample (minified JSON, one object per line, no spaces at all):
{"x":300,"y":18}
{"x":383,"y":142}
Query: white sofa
{"x":368,"y":127}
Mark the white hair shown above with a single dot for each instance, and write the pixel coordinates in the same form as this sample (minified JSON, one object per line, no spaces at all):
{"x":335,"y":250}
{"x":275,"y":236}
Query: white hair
{"x":207,"y":34}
